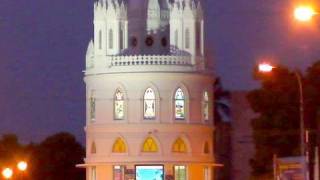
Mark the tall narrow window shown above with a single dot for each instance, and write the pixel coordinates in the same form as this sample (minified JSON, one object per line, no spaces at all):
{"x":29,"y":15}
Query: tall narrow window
{"x":149,"y":104}
{"x":206,"y":148}
{"x":93,"y":173}
{"x":179,"y":104}
{"x":176,"y":38}
{"x":121,"y":38}
{"x":180,"y":173}
{"x":205,"y":106}
{"x":187,"y":40}
{"x":179,"y":146}
{"x":150,"y":145}
{"x":92,"y":102}
{"x":119,"y":146}
{"x":110,"y":39}
{"x":119,"y":105}
{"x":93,"y":148}
{"x":100,"y":39}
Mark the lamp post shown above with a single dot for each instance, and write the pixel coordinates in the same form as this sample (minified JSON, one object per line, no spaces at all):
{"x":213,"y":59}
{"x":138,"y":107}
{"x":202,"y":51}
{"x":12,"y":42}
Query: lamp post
{"x":267,"y":68}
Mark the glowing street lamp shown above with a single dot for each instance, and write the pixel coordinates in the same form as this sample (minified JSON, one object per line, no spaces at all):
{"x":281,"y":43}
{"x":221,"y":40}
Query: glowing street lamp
{"x":265,"y":67}
{"x":7,"y":173}
{"x":22,"y":165}
{"x":304,"y":13}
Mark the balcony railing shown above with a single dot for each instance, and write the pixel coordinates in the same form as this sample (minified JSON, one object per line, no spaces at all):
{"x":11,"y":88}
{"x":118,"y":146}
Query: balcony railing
{"x":148,"y":60}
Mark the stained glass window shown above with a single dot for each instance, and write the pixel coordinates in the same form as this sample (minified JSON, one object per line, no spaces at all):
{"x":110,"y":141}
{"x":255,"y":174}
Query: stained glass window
{"x":119,"y":146}
{"x":179,"y":146}
{"x":179,"y":104}
{"x":119,"y":105}
{"x":180,"y":173}
{"x":187,"y":45}
{"x":149,"y":104}
{"x":150,"y":145}
{"x":205,"y":106}
{"x":92,"y":102}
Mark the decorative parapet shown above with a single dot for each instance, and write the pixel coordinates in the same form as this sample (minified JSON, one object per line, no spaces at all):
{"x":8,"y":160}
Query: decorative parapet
{"x":118,"y":63}
{"x":148,"y":60}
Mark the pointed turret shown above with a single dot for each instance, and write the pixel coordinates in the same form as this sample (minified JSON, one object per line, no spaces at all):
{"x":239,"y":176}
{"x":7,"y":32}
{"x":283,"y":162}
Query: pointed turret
{"x":153,"y":16}
{"x":199,"y":11}
{"x":90,"y":55}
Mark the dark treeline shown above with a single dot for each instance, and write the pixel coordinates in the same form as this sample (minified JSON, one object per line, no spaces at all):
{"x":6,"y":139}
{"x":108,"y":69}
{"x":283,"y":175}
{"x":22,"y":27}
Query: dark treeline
{"x":55,"y":158}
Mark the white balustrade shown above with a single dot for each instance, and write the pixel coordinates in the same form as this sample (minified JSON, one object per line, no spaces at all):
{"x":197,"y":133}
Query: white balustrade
{"x":148,"y":60}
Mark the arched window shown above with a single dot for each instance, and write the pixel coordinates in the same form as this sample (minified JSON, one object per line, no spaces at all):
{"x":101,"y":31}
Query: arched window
{"x":110,"y":39}
{"x":150,"y":145}
{"x":205,"y":106}
{"x":179,"y":146}
{"x":121,"y":38}
{"x":179,"y":100}
{"x":149,"y":104}
{"x":119,"y":105}
{"x":100,"y":39}
{"x":176,"y":38}
{"x":187,"y":36}
{"x":206,"y":148}
{"x":92,"y":106}
{"x":93,"y":148}
{"x":119,"y":146}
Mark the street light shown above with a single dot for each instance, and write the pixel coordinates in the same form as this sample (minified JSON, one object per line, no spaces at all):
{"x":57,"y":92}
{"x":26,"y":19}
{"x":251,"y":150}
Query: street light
{"x":266,"y":68}
{"x":7,"y":173}
{"x":22,"y":165}
{"x":304,"y":13}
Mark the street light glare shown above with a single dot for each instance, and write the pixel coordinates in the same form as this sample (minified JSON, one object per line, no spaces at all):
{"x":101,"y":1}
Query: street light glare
{"x":304,"y":13}
{"x":22,"y":165}
{"x":7,"y":173}
{"x":264,"y":67}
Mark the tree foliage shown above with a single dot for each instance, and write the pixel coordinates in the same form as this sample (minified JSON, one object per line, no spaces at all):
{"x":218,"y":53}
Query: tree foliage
{"x":277,"y":128}
{"x":54,"y":158}
{"x":222,"y":129}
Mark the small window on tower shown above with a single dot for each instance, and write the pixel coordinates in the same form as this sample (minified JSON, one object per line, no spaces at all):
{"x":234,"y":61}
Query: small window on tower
{"x":187,"y":38}
{"x":110,"y":39}
{"x":100,"y":39}
{"x":176,"y":36}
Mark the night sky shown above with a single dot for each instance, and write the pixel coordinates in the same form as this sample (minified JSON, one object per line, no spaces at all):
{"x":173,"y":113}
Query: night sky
{"x":43,"y":45}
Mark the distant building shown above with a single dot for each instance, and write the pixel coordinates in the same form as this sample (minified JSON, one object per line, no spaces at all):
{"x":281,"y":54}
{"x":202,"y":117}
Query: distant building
{"x":149,"y":92}
{"x":241,"y":136}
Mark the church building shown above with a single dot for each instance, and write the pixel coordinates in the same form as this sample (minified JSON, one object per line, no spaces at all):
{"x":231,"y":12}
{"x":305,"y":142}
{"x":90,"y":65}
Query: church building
{"x":149,"y":95}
